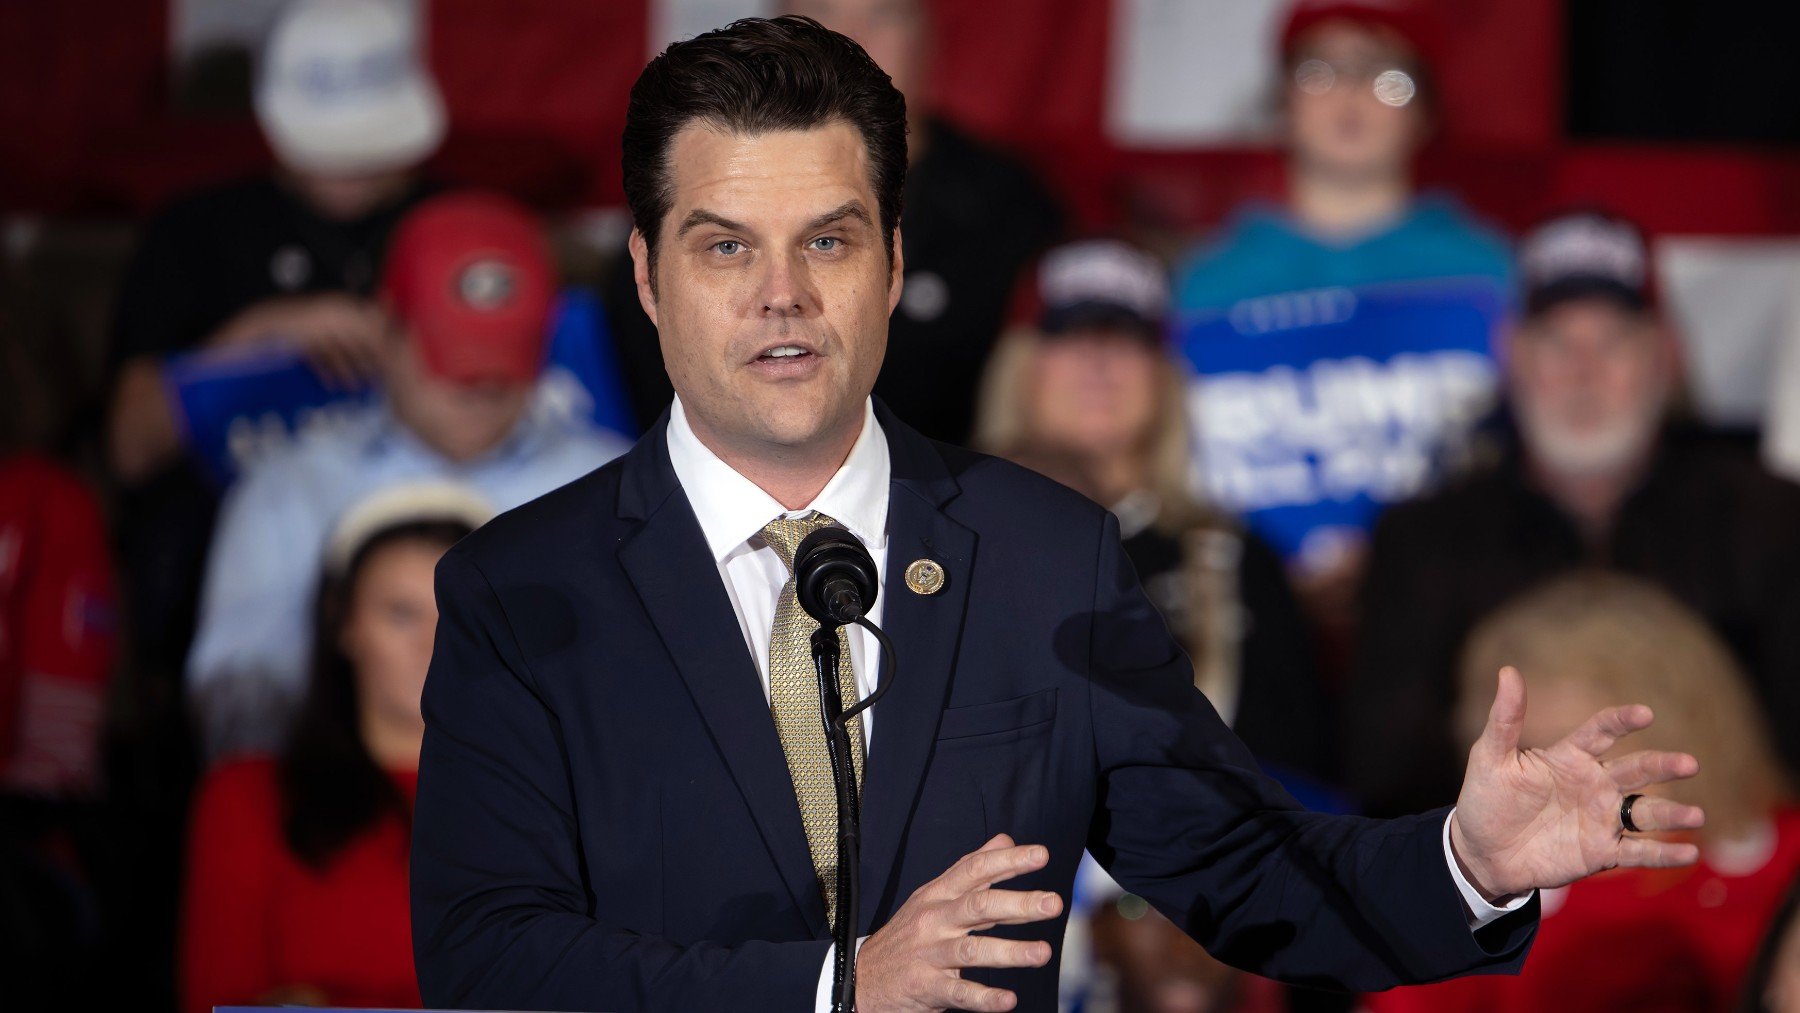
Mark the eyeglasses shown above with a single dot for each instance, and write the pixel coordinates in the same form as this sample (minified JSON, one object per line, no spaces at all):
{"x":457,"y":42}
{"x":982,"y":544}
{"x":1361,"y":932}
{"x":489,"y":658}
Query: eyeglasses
{"x":1391,"y":86}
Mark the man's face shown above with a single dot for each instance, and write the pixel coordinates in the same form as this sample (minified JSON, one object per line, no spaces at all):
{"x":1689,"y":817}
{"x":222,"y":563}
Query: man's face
{"x":462,"y":421}
{"x":772,"y":285}
{"x":892,"y":32}
{"x":1336,"y":122}
{"x":1590,"y":380}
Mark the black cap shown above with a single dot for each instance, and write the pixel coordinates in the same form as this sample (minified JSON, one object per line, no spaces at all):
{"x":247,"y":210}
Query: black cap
{"x":1584,"y":254}
{"x":1102,"y":283}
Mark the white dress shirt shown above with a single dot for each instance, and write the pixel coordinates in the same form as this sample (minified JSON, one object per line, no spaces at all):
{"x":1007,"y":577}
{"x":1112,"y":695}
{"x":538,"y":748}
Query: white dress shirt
{"x":732,"y":511}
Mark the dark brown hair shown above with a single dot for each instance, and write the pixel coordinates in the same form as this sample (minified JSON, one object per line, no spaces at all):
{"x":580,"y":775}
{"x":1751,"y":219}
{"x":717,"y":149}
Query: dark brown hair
{"x":332,"y":789}
{"x":753,"y":76}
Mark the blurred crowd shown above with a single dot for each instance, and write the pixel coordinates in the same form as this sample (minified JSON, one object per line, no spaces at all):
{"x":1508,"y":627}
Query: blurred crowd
{"x":1364,"y":450}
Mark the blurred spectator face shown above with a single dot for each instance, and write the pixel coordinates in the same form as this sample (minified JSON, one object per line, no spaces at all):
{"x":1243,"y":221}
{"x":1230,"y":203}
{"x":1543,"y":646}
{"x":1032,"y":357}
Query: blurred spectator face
{"x":1590,"y":381}
{"x":1095,"y":391}
{"x":1351,"y":100}
{"x":893,"y":32}
{"x":773,"y":283}
{"x":348,"y":197}
{"x":389,"y":626}
{"x":468,"y":284}
{"x":460,"y":418}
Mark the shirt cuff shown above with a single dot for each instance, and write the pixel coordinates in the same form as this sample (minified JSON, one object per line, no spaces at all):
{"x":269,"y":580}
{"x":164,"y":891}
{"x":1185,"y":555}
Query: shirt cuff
{"x":822,"y":1002}
{"x":1480,"y":913}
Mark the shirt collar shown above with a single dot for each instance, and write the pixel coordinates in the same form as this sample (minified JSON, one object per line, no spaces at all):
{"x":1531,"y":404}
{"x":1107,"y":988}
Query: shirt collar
{"x":732,"y":509}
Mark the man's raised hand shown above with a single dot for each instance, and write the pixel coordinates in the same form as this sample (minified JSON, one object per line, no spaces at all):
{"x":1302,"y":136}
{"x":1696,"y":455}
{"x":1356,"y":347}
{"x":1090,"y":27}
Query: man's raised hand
{"x":1538,"y":818}
{"x":916,"y":960}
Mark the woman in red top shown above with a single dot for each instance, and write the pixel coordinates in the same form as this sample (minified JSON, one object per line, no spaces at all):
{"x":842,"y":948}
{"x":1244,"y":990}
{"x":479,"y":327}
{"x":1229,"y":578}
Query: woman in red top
{"x":1643,"y":940}
{"x":296,"y":885}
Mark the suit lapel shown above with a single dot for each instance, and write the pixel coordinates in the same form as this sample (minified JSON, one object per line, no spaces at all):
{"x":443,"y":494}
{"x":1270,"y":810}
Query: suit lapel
{"x":926,"y":630}
{"x":678,"y":581}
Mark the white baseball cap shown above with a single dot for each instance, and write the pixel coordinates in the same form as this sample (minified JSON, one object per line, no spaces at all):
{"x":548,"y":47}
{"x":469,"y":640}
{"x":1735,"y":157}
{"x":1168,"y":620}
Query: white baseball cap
{"x":343,"y":89}
{"x":418,"y":501}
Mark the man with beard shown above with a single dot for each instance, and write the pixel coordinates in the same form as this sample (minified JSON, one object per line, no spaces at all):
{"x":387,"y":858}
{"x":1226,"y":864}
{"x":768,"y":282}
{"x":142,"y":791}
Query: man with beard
{"x":1598,"y":478}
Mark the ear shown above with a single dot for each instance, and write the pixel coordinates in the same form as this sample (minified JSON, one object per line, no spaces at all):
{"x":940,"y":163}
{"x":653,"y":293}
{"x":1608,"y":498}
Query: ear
{"x":897,"y":274}
{"x":1507,"y":348}
{"x":347,"y":630}
{"x":395,"y":349}
{"x":1673,"y":353}
{"x":640,"y":273}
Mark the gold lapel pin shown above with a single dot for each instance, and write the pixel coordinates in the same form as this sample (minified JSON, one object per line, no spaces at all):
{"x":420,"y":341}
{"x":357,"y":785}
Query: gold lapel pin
{"x":924,"y":576}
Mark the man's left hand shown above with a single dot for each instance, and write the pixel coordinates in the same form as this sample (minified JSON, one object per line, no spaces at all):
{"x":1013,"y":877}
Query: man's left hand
{"x":1539,"y":818}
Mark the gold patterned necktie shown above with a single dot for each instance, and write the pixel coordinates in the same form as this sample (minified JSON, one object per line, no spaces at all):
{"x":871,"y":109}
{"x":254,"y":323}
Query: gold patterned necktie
{"x":794,"y":698}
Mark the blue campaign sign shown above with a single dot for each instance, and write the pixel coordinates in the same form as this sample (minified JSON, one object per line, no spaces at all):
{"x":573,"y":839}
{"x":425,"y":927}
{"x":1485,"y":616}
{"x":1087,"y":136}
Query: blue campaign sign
{"x":1314,"y":409}
{"x":233,"y":409}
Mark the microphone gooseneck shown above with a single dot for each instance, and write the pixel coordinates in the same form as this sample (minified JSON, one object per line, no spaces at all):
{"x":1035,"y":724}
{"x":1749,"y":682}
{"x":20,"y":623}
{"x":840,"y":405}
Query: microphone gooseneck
{"x":836,"y":583}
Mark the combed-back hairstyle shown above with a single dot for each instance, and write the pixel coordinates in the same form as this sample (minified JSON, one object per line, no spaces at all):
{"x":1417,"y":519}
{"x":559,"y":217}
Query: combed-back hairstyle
{"x":751,"y":77}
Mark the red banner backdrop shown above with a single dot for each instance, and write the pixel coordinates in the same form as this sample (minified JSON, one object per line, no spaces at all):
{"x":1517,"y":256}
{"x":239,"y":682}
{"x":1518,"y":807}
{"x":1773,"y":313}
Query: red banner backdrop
{"x":537,"y":92}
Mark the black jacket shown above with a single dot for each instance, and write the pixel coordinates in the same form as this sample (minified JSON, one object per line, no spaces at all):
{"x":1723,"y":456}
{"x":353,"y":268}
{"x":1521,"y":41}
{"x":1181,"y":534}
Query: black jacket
{"x":1707,"y":524}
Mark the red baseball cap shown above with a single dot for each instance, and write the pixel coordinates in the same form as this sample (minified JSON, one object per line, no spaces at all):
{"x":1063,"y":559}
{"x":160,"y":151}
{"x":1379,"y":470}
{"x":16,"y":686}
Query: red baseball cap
{"x":1413,"y":20}
{"x":471,"y":276}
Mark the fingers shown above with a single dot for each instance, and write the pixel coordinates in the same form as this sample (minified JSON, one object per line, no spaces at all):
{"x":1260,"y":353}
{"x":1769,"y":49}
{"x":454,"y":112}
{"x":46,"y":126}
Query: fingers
{"x":340,"y":361}
{"x":983,"y":909}
{"x":1600,"y":732}
{"x":961,"y":993}
{"x":1501,"y":735}
{"x":1647,"y":767}
{"x":999,"y":859}
{"x":1652,"y":815}
{"x":1645,"y":853}
{"x":987,"y":951}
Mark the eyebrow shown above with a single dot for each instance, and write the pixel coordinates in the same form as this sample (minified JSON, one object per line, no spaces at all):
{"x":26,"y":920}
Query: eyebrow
{"x":701,"y":216}
{"x":852,"y":208}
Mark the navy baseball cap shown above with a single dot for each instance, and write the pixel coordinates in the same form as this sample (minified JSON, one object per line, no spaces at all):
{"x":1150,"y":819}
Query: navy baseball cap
{"x":1585,"y":254}
{"x":1101,"y":283}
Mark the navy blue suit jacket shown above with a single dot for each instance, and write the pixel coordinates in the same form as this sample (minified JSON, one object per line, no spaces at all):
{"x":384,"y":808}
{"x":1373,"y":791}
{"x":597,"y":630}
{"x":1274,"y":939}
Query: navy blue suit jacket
{"x":605,"y":819}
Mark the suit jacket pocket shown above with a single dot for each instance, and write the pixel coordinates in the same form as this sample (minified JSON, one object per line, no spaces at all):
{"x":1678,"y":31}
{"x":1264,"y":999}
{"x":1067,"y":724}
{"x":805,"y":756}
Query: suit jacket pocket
{"x":998,"y":718}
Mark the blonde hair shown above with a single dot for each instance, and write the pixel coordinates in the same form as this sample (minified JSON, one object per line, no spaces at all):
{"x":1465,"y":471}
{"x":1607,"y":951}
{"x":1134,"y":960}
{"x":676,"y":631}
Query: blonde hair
{"x":1003,"y":421}
{"x":1627,"y":641}
{"x":1211,"y":542}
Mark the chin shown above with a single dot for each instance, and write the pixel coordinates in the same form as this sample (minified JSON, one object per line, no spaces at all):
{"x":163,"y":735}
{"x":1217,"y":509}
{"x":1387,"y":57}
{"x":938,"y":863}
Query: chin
{"x":794,"y":418}
{"x":793,"y":428}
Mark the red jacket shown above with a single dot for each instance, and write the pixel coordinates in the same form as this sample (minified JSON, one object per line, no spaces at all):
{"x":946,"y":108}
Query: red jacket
{"x":1642,"y":940}
{"x":57,"y":629}
{"x":256,"y":919}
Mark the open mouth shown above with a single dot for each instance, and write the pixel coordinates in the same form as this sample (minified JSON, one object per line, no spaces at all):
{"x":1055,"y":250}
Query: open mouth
{"x":785,"y":354}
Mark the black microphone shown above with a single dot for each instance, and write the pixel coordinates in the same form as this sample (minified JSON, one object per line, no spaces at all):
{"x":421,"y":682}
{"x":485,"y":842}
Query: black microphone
{"x":834,"y":577}
{"x":835,"y":582}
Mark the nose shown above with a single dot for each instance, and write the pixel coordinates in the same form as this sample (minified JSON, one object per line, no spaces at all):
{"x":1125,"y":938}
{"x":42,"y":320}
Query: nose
{"x":786,"y":289}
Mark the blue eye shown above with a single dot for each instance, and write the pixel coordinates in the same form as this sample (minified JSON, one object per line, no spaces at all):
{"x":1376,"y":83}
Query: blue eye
{"x":728,"y":247}
{"x":825,"y":244}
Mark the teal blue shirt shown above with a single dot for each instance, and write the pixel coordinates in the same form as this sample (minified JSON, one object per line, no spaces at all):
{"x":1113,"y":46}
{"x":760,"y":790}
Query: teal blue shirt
{"x":1332,"y":377}
{"x":1264,"y":252}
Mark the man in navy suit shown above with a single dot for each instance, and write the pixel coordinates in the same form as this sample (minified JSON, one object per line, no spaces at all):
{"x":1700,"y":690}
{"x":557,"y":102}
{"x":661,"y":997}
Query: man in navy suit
{"x":617,"y":808}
